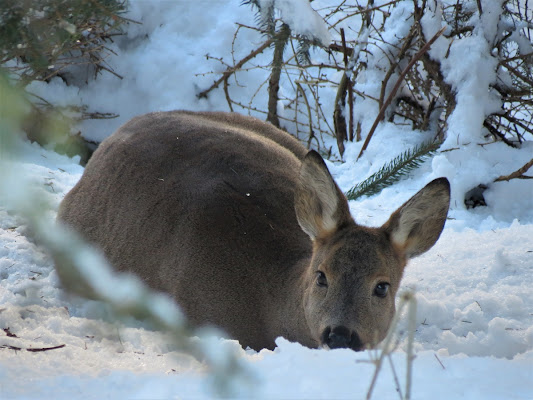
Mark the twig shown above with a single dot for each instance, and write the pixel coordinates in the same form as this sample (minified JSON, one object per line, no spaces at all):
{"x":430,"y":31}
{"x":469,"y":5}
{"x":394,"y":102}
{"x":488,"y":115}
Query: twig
{"x":401,"y":54}
{"x":495,"y":132}
{"x":341,"y":48}
{"x":411,"y":314}
{"x":438,"y":359}
{"x":309,"y":114}
{"x":350,"y":87}
{"x":45,"y":348}
{"x":33,"y":350}
{"x":237,"y":66}
{"x":518,"y":174}
{"x":7,"y":346}
{"x":226,"y":93}
{"x":405,"y":300}
{"x":395,"y":376}
{"x":526,"y":126}
{"x":9,"y":333}
{"x":342,"y":132}
{"x":396,"y":87}
{"x":363,"y":10}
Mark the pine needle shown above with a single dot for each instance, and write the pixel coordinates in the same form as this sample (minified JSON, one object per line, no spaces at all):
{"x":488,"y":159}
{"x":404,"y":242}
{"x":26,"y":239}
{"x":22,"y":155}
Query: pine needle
{"x":394,"y":171}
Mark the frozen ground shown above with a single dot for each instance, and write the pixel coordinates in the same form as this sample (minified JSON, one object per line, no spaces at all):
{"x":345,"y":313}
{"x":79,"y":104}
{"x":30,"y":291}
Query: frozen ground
{"x":474,"y":337}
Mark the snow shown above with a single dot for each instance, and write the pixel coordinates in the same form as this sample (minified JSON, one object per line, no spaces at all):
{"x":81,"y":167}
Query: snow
{"x":474,"y":319}
{"x":301,"y":18}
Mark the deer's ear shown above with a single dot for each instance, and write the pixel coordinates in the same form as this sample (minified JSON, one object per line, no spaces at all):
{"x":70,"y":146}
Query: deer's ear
{"x":319,"y":203}
{"x":415,"y":227}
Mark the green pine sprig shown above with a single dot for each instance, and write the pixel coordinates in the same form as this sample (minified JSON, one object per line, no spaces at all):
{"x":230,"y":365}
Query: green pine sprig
{"x":394,"y":171}
{"x":264,"y":18}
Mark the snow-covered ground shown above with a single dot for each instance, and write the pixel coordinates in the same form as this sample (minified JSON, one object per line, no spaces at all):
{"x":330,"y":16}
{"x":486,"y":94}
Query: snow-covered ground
{"x":474,"y":289}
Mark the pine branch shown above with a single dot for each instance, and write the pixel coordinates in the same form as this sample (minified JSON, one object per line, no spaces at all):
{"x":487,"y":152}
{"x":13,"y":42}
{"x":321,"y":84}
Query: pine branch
{"x":393,"y":171}
{"x":302,"y":53}
{"x":265,"y":19}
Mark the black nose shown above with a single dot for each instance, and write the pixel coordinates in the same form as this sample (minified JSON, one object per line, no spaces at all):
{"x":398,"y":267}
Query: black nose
{"x":341,"y":337}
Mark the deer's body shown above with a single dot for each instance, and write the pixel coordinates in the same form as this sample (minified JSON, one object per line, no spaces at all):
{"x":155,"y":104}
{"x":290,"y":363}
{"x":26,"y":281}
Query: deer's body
{"x":231,"y":217}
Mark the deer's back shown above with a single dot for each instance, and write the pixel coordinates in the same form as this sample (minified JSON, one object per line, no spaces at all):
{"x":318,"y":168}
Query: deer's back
{"x":198,"y":203}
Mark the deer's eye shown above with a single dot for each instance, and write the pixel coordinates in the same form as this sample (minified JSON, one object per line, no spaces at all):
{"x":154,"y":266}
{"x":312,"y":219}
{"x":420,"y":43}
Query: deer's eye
{"x":321,"y":280}
{"x":381,"y":289}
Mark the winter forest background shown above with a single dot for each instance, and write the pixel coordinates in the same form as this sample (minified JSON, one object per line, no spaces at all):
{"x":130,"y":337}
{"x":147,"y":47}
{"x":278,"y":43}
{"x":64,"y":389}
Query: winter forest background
{"x":392,"y":93}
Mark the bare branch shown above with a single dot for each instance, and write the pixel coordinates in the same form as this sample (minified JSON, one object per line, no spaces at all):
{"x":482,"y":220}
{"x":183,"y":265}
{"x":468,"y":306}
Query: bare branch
{"x":235,"y":68}
{"x":395,"y":89}
{"x":280,"y":41}
{"x":518,"y":174}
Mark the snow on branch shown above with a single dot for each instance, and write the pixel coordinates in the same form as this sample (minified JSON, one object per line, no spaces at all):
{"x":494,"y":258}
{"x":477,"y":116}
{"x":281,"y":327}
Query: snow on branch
{"x":301,"y":18}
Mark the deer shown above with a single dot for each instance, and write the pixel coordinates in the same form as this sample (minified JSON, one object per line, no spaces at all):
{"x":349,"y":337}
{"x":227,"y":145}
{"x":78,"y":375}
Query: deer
{"x":247,"y":230}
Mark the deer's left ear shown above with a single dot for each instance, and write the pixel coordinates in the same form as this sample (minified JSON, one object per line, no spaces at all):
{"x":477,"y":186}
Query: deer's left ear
{"x":320,"y":205}
{"x":415,"y":227}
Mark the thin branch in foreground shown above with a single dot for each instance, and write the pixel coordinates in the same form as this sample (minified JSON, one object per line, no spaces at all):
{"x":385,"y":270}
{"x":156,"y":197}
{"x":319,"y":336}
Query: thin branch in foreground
{"x":407,"y":300}
{"x":411,"y":327}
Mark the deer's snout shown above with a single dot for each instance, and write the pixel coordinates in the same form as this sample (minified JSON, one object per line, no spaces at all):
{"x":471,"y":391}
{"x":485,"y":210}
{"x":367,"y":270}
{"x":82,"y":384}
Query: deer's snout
{"x":341,"y":337}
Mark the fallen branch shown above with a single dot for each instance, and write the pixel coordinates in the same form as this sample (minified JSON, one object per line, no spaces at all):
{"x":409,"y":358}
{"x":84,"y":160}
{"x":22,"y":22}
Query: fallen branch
{"x":33,"y":350}
{"x":7,"y":346}
{"x":518,"y":174}
{"x":9,"y":333}
{"x":396,"y":87}
{"x":45,"y":348}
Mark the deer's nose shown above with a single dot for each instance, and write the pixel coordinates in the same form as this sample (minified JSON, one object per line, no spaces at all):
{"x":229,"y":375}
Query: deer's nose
{"x":341,"y":337}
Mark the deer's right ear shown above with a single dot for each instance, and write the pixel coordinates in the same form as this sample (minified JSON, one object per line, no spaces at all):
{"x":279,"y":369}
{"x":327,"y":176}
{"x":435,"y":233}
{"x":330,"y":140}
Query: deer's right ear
{"x":319,"y":203}
{"x":415,"y":227}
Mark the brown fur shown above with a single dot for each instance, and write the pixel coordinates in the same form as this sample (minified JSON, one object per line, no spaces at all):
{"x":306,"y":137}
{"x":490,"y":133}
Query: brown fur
{"x":233,"y":218}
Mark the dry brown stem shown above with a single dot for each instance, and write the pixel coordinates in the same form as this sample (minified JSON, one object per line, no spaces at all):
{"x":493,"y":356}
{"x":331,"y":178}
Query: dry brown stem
{"x":518,"y":174}
{"x":395,"y":89}
{"x":235,"y":68}
{"x":401,"y":54}
{"x":273,"y":85}
{"x":350,"y":89}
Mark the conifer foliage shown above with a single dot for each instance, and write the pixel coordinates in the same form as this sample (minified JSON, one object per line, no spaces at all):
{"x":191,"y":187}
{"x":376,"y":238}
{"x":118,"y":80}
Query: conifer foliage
{"x":43,"y":38}
{"x":394,"y":170}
